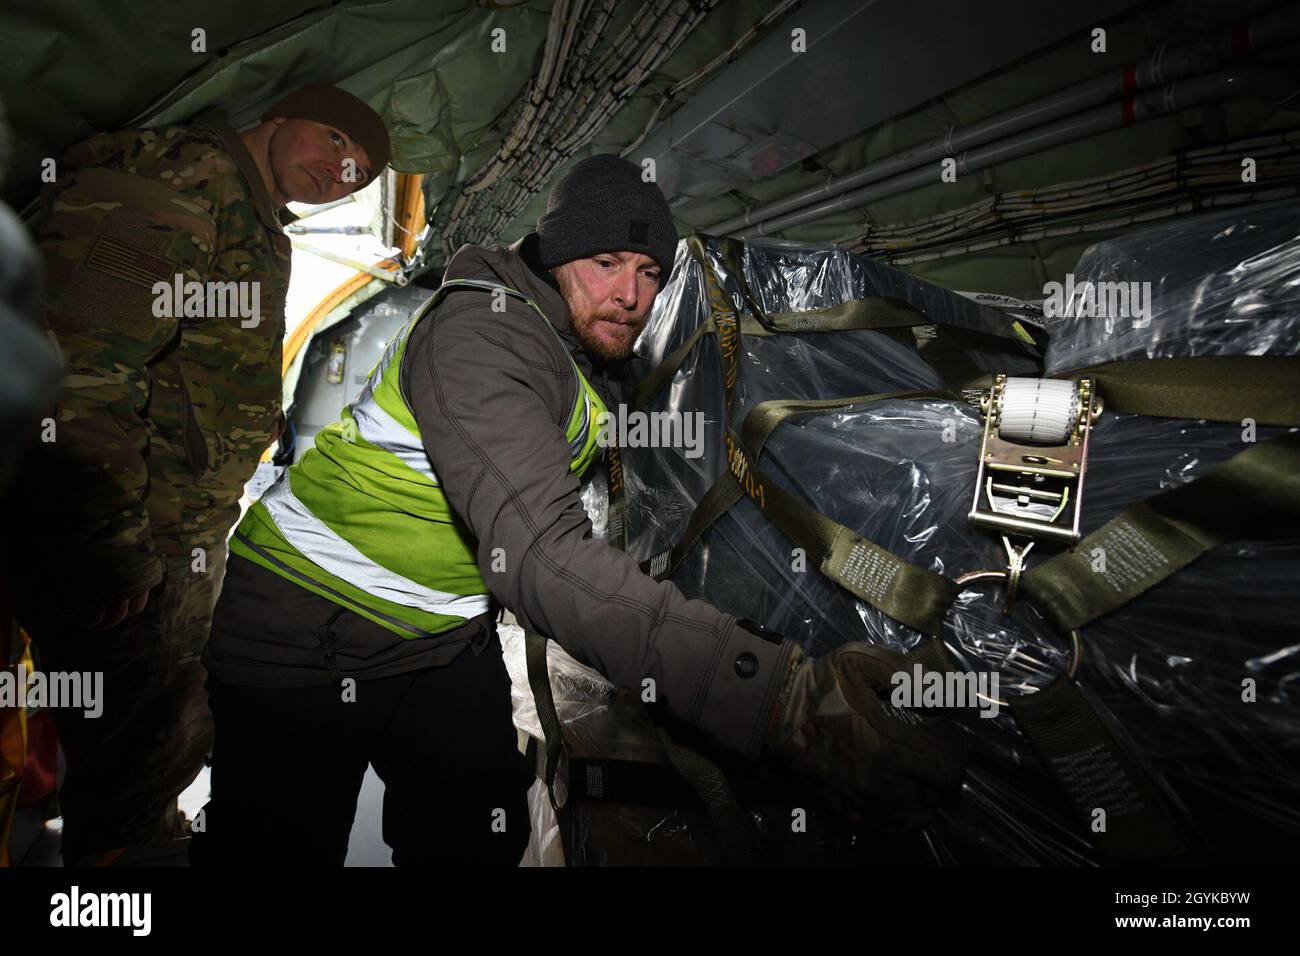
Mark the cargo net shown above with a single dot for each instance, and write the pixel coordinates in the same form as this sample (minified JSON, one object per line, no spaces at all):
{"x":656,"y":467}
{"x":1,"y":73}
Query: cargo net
{"x":1193,"y":679}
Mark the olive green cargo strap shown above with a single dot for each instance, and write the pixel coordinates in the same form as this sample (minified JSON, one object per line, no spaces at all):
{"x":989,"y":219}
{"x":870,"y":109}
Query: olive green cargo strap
{"x":944,"y":347}
{"x":1127,"y":814}
{"x":615,"y":527}
{"x":715,"y":502}
{"x":853,"y":315}
{"x":758,"y":426}
{"x":906,"y":592}
{"x":903,"y":590}
{"x":941,"y":344}
{"x":1256,"y":493}
{"x":735,"y":829}
{"x":764,"y":417}
{"x":1220,"y":388}
{"x":540,"y":682}
{"x":1128,"y":818}
{"x":723,"y":322}
{"x":665,"y":370}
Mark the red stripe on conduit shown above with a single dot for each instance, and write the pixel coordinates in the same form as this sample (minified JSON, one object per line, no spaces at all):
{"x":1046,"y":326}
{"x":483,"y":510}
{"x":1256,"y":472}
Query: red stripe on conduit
{"x":1130,"y":113}
{"x":1241,"y":39}
{"x":1130,"y":78}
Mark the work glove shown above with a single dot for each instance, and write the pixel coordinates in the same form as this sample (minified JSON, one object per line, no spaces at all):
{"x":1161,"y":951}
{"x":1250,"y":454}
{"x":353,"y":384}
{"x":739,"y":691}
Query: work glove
{"x":880,"y":766}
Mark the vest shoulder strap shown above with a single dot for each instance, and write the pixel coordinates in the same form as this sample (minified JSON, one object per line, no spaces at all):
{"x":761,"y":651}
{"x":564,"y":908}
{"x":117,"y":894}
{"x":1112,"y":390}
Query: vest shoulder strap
{"x":486,"y":285}
{"x":482,"y":285}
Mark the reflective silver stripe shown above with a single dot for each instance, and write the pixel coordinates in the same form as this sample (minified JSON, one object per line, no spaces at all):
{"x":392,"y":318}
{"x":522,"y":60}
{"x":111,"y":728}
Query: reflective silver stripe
{"x":319,"y":544}
{"x":575,"y":446}
{"x":485,"y":285}
{"x":389,"y":350}
{"x":311,"y":583}
{"x":381,"y":429}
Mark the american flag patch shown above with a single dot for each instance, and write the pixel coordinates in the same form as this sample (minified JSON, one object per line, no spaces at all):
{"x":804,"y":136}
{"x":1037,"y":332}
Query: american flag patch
{"x":120,"y":259}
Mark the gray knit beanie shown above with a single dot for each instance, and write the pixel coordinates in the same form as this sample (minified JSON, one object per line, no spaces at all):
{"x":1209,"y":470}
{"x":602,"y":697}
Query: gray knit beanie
{"x":603,"y":205}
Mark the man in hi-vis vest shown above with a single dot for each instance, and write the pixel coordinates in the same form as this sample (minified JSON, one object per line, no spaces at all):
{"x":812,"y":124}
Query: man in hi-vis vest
{"x":356,"y":624}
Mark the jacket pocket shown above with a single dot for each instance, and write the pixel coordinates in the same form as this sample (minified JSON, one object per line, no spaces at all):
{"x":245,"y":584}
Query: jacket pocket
{"x":207,"y":449}
{"x":196,"y":446}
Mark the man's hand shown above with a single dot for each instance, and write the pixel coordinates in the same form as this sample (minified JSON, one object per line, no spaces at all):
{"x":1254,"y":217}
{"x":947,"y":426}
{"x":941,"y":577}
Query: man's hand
{"x":879,"y":766}
{"x":114,"y":612}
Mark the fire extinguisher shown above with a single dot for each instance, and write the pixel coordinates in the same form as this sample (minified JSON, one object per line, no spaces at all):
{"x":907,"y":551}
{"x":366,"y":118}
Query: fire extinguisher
{"x":338,"y":361}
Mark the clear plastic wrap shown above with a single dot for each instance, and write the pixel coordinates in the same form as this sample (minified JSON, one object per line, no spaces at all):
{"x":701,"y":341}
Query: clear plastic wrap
{"x":1168,"y":667}
{"x":1227,"y":283}
{"x":663,"y":484}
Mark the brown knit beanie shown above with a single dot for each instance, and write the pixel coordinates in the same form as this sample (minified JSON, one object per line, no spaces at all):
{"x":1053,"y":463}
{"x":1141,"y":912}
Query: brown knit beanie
{"x":338,"y":108}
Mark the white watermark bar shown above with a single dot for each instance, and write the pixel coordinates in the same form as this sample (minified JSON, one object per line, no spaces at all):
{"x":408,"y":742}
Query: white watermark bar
{"x":190,"y":299}
{"x":1088,"y":299}
{"x":946,"y":690}
{"x":638,"y":429}
{"x":77,"y":909}
{"x":73,"y":690}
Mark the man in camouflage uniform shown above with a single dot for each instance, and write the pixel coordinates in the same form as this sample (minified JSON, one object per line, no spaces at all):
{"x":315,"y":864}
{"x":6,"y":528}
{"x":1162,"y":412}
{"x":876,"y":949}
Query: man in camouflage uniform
{"x":168,"y":404}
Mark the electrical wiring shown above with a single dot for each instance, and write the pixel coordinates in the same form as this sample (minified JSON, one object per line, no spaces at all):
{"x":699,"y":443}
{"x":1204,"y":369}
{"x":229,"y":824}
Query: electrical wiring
{"x":1183,"y":182}
{"x":575,"y":94}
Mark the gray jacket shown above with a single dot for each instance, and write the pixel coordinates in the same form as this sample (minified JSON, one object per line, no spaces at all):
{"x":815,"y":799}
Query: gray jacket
{"x":492,"y":392}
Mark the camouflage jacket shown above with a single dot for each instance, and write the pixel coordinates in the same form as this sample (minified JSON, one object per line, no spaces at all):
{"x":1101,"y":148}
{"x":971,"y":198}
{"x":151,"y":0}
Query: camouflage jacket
{"x":168,"y":400}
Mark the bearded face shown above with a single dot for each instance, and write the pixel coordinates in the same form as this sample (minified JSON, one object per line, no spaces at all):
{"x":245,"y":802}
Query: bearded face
{"x":609,"y":297}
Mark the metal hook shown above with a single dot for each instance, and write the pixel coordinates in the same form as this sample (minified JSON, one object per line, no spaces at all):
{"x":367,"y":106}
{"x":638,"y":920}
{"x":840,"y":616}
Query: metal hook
{"x":1015,"y":565}
{"x":1076,"y":639}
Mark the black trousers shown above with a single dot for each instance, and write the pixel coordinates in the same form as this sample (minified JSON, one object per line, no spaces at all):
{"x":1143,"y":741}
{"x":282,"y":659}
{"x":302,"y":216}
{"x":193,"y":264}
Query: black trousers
{"x":287,"y":767}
